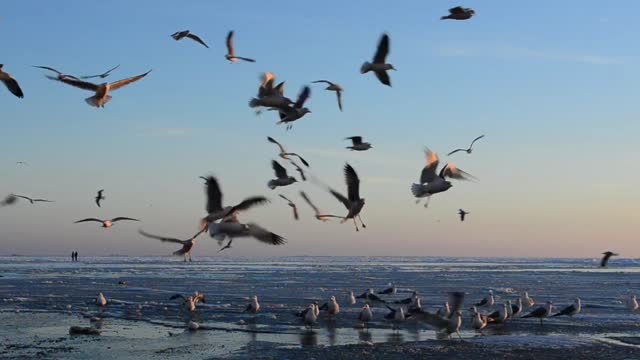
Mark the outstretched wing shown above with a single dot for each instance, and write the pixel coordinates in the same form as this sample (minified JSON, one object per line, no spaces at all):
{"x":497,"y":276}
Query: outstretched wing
{"x":299,"y":157}
{"x":451,"y":171}
{"x":476,"y":139}
{"x":230,"y":43}
{"x":214,"y":195}
{"x":356,"y":140}
{"x":87,"y":220}
{"x":12,"y":85}
{"x":285,"y":198}
{"x":322,"y":81}
{"x":341,"y":198}
{"x":274,"y":141}
{"x":383,"y":76}
{"x":161,"y":238}
{"x":123,"y":218}
{"x":455,"y":151}
{"x":197,"y":39}
{"x":281,"y":172}
{"x":264,"y":235}
{"x":124,"y":82}
{"x":457,"y":10}
{"x":302,"y":97}
{"x":85,"y":85}
{"x":308,"y":201}
{"x":249,"y":203}
{"x":339,"y":95}
{"x":353,"y":183}
{"x":382,"y":51}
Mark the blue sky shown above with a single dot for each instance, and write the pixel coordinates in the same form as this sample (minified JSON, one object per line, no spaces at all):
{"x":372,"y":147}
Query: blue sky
{"x":552,"y":85}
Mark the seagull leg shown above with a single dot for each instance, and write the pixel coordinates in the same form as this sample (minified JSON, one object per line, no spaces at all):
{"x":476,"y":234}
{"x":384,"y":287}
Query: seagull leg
{"x":460,"y":336}
{"x":417,"y":201}
{"x":356,"y":224}
{"x":426,"y":204}
{"x":363,"y":225}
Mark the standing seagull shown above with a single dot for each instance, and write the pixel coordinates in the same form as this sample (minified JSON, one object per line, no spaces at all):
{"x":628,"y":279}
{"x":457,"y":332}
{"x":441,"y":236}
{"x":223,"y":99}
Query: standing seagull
{"x":282,"y":178}
{"x":102,"y":76}
{"x":632,"y":304}
{"x":319,"y":215}
{"x":430,"y":183}
{"x":296,"y":111}
{"x":487,"y":301}
{"x":365,"y":315}
{"x":572,"y":309}
{"x":32,"y":201}
{"x":283,"y":152}
{"x":332,"y":307}
{"x":462,"y":214}
{"x":254,"y":306}
{"x":10,"y":83}
{"x":101,"y":97}
{"x":605,"y":258}
{"x":179,"y":35}
{"x":527,"y":300}
{"x":214,"y":207}
{"x":459,"y":13}
{"x":231,"y":54}
{"x":333,"y":87}
{"x":379,"y":66}
{"x":541,"y":312}
{"x":354,"y":203}
{"x":106,"y":223}
{"x":187,"y":245}
{"x":99,"y":197}
{"x":470,"y":149}
{"x":357,"y":144}
{"x":190,"y":302}
{"x":292,"y":205}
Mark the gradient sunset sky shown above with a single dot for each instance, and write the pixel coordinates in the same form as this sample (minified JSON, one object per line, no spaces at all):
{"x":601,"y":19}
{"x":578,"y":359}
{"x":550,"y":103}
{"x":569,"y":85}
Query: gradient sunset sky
{"x":553,"y":85}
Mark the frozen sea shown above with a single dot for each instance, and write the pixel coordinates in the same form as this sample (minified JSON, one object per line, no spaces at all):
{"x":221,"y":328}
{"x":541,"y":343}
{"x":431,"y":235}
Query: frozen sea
{"x":41,"y":297}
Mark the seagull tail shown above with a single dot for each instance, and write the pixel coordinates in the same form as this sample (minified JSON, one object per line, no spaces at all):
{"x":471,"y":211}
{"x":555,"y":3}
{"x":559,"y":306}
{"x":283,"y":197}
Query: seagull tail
{"x":365,"y":68}
{"x":254,"y":103}
{"x":417,"y":190}
{"x":93,"y":101}
{"x":271,"y":185}
{"x":444,"y":18}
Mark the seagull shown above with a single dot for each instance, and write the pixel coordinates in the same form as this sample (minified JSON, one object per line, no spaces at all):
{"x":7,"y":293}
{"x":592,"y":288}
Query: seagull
{"x":314,"y":309}
{"x":102,"y":91}
{"x":99,"y":197}
{"x":310,"y":316}
{"x":430,"y":183}
{"x":526,"y":300}
{"x":282,"y":178}
{"x":332,"y":307}
{"x":354,"y":203}
{"x":365,"y":315}
{"x":292,"y":205}
{"x":179,"y":35}
{"x":9,"y":200}
{"x":572,"y":309}
{"x":106,"y":223}
{"x":214,"y":207}
{"x":231,"y":54}
{"x":391,"y":290}
{"x":10,"y":83}
{"x":516,"y":309}
{"x":409,"y":300}
{"x":479,"y":321}
{"x":470,"y":149}
{"x":605,"y":258}
{"x":32,"y":201}
{"x":103,"y":75}
{"x":283,"y":152}
{"x":319,"y":215}
{"x":462,"y":214}
{"x":351,"y":299}
{"x":270,"y":96}
{"x":233,"y":229}
{"x":487,"y":301}
{"x":370,"y":296}
{"x":444,"y":311}
{"x":254,"y":306}
{"x":357,"y":144}
{"x":101,"y":300}
{"x":379,"y":67}
{"x":23,"y":163}
{"x":60,"y":74}
{"x":190,"y":302}
{"x":296,"y":111}
{"x":459,"y":13}
{"x":501,"y":315}
{"x":541,"y":312}
{"x":416,"y":306}
{"x":299,"y":169}
{"x":451,"y":324}
{"x":397,"y":316}
{"x":333,"y":87}
{"x":187,"y":245}
{"x":633,"y":303}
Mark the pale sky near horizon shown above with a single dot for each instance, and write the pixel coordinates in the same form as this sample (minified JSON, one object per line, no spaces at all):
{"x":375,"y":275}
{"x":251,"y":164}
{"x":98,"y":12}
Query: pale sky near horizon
{"x":553,"y":85}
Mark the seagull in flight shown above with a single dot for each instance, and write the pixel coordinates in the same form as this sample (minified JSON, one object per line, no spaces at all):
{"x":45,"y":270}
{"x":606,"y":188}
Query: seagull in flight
{"x":233,"y":229}
{"x":179,"y":35}
{"x":319,"y":215}
{"x":214,"y":207}
{"x":333,"y":87}
{"x":10,"y":83}
{"x":430,"y":183}
{"x":282,"y":178}
{"x":462,"y":214}
{"x":283,"y":152}
{"x":32,"y":201}
{"x":605,"y":258}
{"x":292,"y":205}
{"x":470,"y":149}
{"x":231,"y":54}
{"x":23,"y":163}
{"x":296,"y":111}
{"x":353,"y":202}
{"x":357,"y":144}
{"x":60,"y":74}
{"x":106,"y":223}
{"x":299,"y":169}
{"x":102,"y":91}
{"x":187,"y":245}
{"x":379,"y":65}
{"x":270,"y":96}
{"x":459,"y":13}
{"x":103,"y":75}
{"x":99,"y":197}
{"x":572,"y":309}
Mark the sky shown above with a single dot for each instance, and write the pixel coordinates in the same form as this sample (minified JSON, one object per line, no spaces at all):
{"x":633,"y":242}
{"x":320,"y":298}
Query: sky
{"x":552,"y":85}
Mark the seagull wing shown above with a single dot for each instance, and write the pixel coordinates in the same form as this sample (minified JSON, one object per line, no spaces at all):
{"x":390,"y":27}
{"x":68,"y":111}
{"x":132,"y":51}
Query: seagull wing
{"x":603,"y":262}
{"x":48,"y":68}
{"x":353,"y":183}
{"x":214,"y":195}
{"x":302,"y":97}
{"x":356,"y":140}
{"x":474,"y":141}
{"x":87,"y":220}
{"x":12,"y":85}
{"x":272,"y":140}
{"x":434,"y":320}
{"x":299,"y":157}
{"x":230,"y":50}
{"x":339,"y":95}
{"x":24,"y":197}
{"x":249,"y":203}
{"x":42,"y":200}
{"x":455,"y":151}
{"x":119,"y":218}
{"x":124,"y":82}
{"x":382,"y":51}
{"x":244,"y":58}
{"x":161,"y":238}
{"x":197,"y":39}
{"x":308,"y":201}
{"x":177,"y":296}
{"x":457,"y":10}
{"x":85,"y":85}
{"x":281,"y":172}
{"x":264,"y":235}
{"x":383,"y":76}
{"x":341,"y":198}
{"x":285,"y":198}
{"x":322,"y":81}
{"x":106,"y":73}
{"x":296,"y":216}
{"x":450,"y":170}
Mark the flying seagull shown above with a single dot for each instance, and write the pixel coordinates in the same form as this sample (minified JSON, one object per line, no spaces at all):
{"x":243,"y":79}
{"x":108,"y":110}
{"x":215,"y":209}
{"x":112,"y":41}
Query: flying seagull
{"x":296,"y":111}
{"x":319,"y":215}
{"x":299,"y":169}
{"x":605,"y":258}
{"x":187,"y":245}
{"x":23,"y":163}
{"x":101,"y":97}
{"x":179,"y":35}
{"x":292,"y":205}
{"x":106,"y":223}
{"x":333,"y":87}
{"x":9,"y":200}
{"x":99,"y":197}
{"x":231,"y":54}
{"x":462,"y":214}
{"x":282,"y":178}
{"x":354,"y":203}
{"x":459,"y":13}
{"x":283,"y":152}
{"x":572,"y":309}
{"x":430,"y":183}
{"x":541,"y":312}
{"x":232,"y":229}
{"x":190,"y":302}
{"x":379,"y":67}
{"x":60,"y":74}
{"x":103,"y":75}
{"x":10,"y":83}
{"x":32,"y":201}
{"x":214,"y":207}
{"x":270,"y":96}
{"x":357,"y":144}
{"x":470,"y":149}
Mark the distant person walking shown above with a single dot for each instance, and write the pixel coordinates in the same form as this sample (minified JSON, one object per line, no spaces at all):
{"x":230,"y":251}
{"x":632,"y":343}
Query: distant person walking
{"x":73,"y":256}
